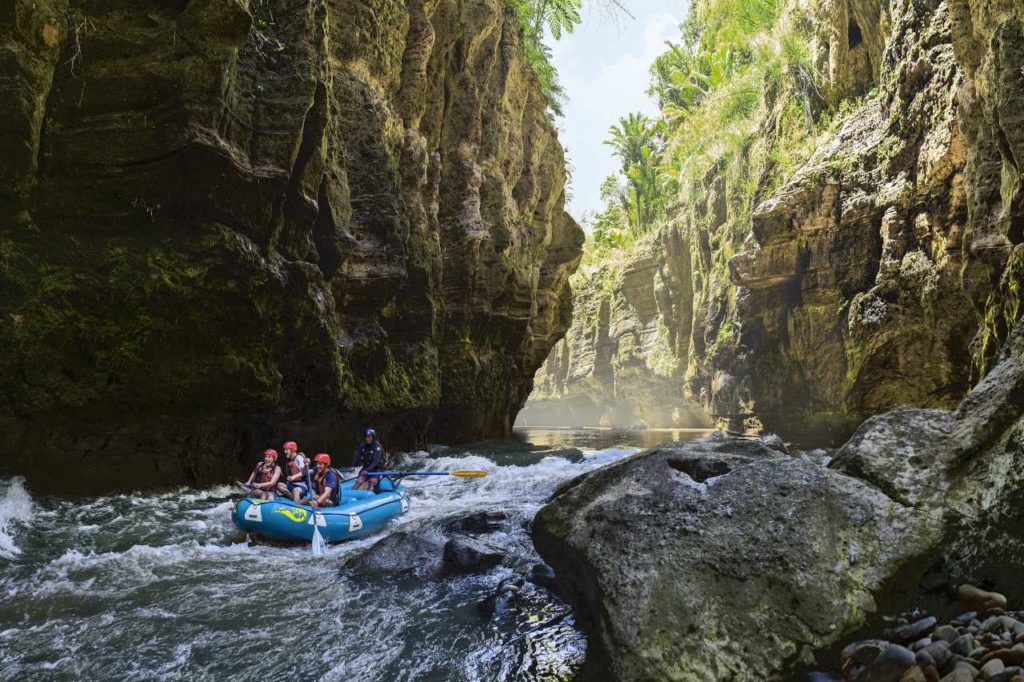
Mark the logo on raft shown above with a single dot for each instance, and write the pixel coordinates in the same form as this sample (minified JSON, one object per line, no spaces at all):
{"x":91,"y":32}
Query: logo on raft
{"x":296,"y":515}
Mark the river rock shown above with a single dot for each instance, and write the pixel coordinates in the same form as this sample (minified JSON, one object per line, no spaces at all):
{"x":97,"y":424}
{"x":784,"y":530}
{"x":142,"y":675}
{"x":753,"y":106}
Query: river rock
{"x":542,"y":575}
{"x":470,"y":555}
{"x":992,"y":668}
{"x":479,"y":523}
{"x":910,"y":631}
{"x":947,"y":633}
{"x":775,"y":442}
{"x":679,"y":537}
{"x":939,"y":653}
{"x":891,"y":666}
{"x":855,"y":657}
{"x":963,"y":645}
{"x":401,"y":552}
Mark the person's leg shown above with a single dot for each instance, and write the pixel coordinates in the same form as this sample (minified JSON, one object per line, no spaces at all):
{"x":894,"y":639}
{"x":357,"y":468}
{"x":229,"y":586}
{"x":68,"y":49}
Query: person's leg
{"x":282,"y":488}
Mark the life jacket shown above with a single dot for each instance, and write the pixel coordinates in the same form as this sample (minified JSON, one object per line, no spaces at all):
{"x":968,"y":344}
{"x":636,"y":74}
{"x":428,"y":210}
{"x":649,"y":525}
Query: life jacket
{"x":293,"y":466}
{"x":319,"y":480}
{"x":264,"y":473}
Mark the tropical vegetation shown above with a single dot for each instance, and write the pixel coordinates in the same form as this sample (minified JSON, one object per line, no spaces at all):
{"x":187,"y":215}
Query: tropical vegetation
{"x":739,"y":103}
{"x":555,"y":18}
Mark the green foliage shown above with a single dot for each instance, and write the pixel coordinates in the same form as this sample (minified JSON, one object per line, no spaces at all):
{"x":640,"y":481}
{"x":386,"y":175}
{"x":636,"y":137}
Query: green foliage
{"x":639,"y":143}
{"x":558,"y":17}
{"x":739,"y":106}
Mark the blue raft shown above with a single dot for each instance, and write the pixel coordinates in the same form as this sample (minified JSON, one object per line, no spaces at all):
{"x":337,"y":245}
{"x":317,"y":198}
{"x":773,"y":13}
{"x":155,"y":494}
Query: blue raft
{"x":361,"y":513}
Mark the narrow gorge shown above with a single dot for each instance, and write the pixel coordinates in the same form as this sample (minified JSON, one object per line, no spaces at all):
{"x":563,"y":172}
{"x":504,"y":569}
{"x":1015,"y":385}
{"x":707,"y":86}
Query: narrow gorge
{"x":881,"y":269}
{"x":221,"y":220}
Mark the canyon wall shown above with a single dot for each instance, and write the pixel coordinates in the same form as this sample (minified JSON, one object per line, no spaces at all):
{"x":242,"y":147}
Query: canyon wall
{"x":228,"y":222}
{"x":886,"y":270}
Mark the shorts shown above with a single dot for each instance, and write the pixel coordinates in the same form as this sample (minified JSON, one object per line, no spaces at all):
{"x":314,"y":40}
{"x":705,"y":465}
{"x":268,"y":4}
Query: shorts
{"x":300,"y":486}
{"x":363,"y":478}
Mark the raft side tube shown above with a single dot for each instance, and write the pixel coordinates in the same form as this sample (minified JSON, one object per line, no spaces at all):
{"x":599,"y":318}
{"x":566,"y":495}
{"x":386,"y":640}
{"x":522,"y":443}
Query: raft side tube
{"x":361,"y":513}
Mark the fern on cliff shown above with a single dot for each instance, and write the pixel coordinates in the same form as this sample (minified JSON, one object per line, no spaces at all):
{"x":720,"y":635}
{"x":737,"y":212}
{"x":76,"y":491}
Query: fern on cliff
{"x":739,"y":102}
{"x":557,"y":17}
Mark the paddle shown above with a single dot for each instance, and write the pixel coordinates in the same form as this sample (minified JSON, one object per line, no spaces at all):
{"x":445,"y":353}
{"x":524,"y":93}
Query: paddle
{"x":317,"y":545}
{"x":461,"y":473}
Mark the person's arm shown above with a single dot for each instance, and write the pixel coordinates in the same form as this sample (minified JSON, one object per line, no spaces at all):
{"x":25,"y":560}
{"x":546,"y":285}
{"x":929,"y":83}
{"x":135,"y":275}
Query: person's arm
{"x":276,"y":477}
{"x":252,"y":477}
{"x":357,"y":457}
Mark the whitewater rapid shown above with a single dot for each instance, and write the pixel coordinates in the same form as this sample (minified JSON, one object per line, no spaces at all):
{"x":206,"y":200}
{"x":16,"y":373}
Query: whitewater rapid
{"x":162,"y":586}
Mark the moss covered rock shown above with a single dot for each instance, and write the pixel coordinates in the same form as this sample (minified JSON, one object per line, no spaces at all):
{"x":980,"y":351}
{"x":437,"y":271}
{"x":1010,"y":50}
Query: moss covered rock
{"x":225,"y":222}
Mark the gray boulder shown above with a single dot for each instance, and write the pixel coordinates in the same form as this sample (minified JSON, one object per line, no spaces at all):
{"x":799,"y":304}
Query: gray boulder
{"x":402,"y":552}
{"x":725,"y":560}
{"x":721,"y":559}
{"x":470,"y":555}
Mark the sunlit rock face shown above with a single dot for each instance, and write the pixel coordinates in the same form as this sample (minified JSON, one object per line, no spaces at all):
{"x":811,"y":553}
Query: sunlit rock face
{"x":885,"y":272}
{"x":623,"y":361}
{"x":222,"y":223}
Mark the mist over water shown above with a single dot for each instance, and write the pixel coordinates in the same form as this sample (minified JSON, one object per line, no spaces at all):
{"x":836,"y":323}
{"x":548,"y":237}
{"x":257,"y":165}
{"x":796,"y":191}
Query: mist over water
{"x":162,"y":586}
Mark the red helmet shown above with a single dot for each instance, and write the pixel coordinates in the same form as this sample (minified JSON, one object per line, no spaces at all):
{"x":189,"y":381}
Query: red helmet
{"x":323,"y":457}
{"x":271,"y":451}
{"x":291,"y":445}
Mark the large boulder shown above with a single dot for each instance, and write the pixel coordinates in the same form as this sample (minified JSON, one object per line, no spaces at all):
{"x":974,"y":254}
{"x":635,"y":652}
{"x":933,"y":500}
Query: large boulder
{"x":725,"y":560}
{"x":722,"y":559}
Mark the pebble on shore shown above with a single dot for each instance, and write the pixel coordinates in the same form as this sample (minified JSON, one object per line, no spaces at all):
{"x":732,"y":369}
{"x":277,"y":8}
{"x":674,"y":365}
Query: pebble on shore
{"x":983,"y":644}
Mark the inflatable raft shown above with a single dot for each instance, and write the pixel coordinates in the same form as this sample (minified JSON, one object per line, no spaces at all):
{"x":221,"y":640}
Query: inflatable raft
{"x":361,"y":512}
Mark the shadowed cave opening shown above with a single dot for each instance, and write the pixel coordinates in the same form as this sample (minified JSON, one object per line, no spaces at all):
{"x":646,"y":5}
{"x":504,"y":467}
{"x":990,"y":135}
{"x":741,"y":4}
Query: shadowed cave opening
{"x":700,"y":469}
{"x":853,"y":35}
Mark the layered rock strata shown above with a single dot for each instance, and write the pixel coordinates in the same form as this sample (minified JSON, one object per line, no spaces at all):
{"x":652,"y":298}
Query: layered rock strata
{"x":867,"y":279}
{"x":624,"y":357}
{"x":725,"y":560}
{"x":225,"y":222}
{"x":886,"y":271}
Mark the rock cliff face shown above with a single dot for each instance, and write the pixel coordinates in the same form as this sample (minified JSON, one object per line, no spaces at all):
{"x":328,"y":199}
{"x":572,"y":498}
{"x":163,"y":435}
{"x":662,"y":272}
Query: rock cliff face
{"x":624,"y":357}
{"x":223,"y":222}
{"x":886,"y":271}
{"x":725,"y":560}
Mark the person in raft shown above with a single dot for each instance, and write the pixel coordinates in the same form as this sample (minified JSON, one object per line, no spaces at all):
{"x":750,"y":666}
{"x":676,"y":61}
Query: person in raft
{"x":294,"y":483}
{"x":326,"y":483}
{"x":265,"y":476}
{"x":369,"y":456}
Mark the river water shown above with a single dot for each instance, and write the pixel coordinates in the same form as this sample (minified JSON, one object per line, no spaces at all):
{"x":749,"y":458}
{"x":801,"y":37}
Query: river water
{"x":163,"y":587}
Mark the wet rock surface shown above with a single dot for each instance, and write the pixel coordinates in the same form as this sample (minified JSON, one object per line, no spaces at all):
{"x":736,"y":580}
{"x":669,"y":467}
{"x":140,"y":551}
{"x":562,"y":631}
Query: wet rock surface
{"x":726,"y":560}
{"x":459,"y":546}
{"x":225,"y":225}
{"x":987,"y":645}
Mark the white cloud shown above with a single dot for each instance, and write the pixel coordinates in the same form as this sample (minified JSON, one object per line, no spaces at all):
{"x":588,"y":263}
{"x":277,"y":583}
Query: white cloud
{"x":603,"y":67}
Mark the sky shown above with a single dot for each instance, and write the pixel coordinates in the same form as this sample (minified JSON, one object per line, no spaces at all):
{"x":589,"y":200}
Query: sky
{"x":603,"y":67}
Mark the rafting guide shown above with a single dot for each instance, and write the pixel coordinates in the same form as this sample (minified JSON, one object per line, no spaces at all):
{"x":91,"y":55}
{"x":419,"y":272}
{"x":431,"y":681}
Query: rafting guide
{"x":320,"y":504}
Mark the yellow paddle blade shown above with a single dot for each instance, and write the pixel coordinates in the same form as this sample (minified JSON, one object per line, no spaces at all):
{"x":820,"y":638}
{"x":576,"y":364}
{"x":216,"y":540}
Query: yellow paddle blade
{"x":468,"y":473}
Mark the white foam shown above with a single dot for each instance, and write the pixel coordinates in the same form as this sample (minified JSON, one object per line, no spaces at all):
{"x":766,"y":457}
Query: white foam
{"x":15,"y":509}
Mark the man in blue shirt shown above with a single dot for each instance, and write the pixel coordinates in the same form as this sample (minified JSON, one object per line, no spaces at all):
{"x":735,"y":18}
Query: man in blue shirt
{"x":326,"y":486}
{"x":369,"y":456}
